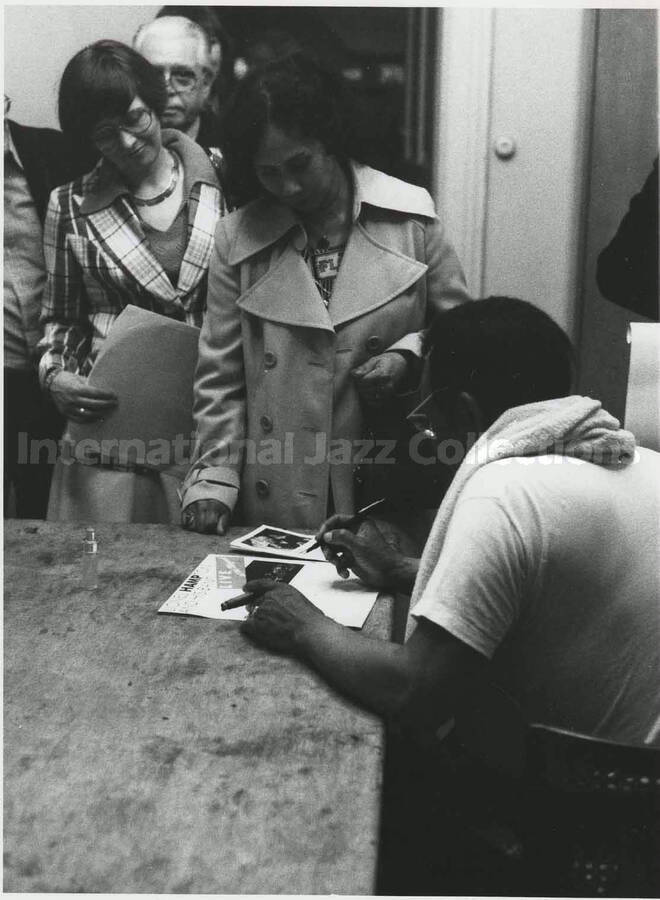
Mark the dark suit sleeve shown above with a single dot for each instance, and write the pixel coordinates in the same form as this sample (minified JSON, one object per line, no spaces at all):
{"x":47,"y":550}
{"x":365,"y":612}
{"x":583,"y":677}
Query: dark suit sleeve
{"x":627,"y":270}
{"x":49,"y":161}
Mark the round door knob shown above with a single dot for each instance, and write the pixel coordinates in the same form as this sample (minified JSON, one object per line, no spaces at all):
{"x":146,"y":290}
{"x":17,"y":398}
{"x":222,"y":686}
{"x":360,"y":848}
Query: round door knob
{"x":505,"y":147}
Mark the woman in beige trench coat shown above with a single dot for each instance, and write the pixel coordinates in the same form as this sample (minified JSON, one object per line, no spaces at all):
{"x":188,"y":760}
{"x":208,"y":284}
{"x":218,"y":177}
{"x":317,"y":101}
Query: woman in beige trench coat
{"x":319,"y":288}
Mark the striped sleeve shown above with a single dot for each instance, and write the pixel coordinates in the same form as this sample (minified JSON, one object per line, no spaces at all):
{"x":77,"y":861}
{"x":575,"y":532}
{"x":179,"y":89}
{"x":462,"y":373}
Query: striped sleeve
{"x":63,"y":314}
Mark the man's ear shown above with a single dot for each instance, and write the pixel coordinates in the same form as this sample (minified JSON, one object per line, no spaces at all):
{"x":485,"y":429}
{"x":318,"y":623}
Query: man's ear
{"x":216,"y":57}
{"x":469,"y":414}
{"x":207,"y":81}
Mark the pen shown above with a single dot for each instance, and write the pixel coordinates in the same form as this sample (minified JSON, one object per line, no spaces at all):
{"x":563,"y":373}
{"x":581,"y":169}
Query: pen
{"x":235,"y":602}
{"x":356,"y":519}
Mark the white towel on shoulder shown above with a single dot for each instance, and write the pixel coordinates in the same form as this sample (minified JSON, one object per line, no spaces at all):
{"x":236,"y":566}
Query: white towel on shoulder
{"x":569,"y":426}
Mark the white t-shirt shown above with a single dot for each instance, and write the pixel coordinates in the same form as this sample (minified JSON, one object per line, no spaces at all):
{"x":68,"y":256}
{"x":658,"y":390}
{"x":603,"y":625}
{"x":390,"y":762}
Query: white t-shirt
{"x":550,"y":569}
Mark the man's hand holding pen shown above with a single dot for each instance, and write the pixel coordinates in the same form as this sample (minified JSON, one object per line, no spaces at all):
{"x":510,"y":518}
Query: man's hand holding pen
{"x":283,"y":619}
{"x":279,"y":616}
{"x":363,"y":550}
{"x":375,"y":559}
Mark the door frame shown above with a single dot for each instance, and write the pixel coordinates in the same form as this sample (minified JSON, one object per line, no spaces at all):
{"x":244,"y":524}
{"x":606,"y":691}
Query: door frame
{"x":461,"y":141}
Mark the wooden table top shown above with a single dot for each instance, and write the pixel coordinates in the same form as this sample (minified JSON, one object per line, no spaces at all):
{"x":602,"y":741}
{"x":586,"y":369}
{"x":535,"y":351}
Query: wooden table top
{"x":164,"y":753}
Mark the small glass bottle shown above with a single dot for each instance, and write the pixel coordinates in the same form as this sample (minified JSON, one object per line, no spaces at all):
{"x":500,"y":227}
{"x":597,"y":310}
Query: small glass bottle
{"x":90,"y":570}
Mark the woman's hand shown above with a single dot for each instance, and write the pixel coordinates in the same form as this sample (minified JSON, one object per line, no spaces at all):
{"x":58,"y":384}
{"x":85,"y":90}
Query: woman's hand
{"x":206,"y":517}
{"x":376,"y":561}
{"x":76,"y":399}
{"x":279,"y":616}
{"x":380,"y":377}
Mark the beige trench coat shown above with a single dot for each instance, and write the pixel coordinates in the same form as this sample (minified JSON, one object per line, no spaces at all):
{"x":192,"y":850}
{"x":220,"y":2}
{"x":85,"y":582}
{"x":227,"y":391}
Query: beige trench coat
{"x":276,"y":409}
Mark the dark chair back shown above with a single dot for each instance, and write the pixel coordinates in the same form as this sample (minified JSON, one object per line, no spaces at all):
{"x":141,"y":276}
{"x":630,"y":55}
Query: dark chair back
{"x":590,"y":817}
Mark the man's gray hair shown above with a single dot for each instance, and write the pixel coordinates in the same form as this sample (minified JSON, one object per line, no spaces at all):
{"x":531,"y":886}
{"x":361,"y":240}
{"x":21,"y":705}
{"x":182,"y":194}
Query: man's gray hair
{"x":186,"y":26}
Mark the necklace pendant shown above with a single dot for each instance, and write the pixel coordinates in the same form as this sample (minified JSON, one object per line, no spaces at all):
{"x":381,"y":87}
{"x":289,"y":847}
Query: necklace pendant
{"x":326,"y":263}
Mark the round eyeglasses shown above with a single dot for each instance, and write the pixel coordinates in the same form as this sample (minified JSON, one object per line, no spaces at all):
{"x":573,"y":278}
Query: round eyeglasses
{"x":179,"y":78}
{"x":136,"y":122}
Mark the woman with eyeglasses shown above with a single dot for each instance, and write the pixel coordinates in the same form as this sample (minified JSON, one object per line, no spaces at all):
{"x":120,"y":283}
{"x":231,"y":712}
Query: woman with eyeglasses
{"x":138,"y":229}
{"x":319,"y":289}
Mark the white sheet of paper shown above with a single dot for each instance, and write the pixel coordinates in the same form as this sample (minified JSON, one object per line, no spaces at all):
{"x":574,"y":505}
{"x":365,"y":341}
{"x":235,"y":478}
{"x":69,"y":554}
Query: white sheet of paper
{"x":643,"y":397}
{"x":347,"y":601}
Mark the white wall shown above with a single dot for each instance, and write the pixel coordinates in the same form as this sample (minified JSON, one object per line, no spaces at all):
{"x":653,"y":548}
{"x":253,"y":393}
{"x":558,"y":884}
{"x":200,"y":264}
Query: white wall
{"x":517,"y":223}
{"x":40,"y":40}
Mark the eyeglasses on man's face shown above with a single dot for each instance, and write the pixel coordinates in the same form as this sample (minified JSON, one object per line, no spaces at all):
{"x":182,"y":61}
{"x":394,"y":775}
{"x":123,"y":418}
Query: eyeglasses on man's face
{"x":136,"y":122}
{"x":180,"y":79}
{"x":421,"y":417}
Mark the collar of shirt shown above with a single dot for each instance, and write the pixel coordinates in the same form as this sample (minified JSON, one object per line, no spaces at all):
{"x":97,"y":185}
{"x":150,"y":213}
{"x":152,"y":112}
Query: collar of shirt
{"x":386,"y":192}
{"x":108,"y":183}
{"x":10,"y":146}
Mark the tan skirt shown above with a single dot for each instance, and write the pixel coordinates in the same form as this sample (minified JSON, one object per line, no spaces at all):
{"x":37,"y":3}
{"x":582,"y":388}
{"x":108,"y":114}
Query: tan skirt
{"x":91,"y":494}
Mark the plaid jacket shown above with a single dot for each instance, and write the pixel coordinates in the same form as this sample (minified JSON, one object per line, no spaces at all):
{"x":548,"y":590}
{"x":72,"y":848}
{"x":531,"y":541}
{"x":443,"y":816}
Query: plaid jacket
{"x":98,"y":259}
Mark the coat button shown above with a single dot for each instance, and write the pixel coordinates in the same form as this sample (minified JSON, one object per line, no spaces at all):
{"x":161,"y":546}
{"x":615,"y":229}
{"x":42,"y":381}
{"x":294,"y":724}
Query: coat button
{"x":373,"y":343}
{"x":262,"y":488}
{"x":270,"y":359}
{"x":266,"y":424}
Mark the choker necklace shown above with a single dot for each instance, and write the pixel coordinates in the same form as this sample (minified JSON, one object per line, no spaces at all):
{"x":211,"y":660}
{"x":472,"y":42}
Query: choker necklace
{"x":169,"y":190}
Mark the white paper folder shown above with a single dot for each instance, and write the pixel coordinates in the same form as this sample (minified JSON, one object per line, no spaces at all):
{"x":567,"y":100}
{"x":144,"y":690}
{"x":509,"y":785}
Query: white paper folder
{"x":149,"y":361}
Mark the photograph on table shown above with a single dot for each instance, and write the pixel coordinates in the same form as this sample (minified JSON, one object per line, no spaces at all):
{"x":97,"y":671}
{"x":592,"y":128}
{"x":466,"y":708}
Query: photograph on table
{"x":275,"y":571}
{"x":277,"y":541}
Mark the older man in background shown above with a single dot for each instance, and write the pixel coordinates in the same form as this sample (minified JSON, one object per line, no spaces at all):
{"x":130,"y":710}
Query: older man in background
{"x":182,"y":51}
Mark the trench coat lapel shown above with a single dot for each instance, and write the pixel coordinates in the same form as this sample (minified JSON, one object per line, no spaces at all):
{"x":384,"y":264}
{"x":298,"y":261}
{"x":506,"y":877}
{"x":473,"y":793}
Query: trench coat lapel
{"x":370,"y":275}
{"x":288,"y":294}
{"x":119,"y":232}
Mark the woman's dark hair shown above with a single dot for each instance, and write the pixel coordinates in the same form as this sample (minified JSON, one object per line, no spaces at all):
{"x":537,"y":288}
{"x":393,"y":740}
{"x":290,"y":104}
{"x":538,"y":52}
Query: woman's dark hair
{"x":296,"y":95}
{"x":503,"y":351}
{"x":101,"y":81}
